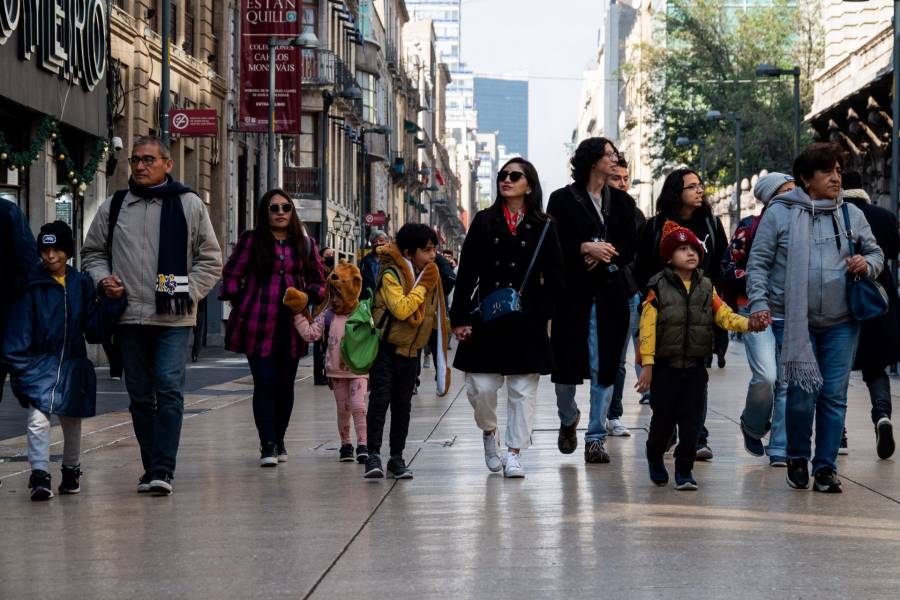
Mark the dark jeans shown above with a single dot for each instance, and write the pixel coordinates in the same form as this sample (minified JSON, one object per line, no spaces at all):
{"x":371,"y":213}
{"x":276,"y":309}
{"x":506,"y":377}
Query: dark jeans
{"x":273,"y":393}
{"x":114,"y":355}
{"x":879,"y":385}
{"x":391,"y":383}
{"x":154,"y":360}
{"x":677,"y":397}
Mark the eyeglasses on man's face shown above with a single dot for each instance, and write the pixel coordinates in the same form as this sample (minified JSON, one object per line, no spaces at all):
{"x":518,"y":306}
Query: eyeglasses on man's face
{"x":145,"y":160}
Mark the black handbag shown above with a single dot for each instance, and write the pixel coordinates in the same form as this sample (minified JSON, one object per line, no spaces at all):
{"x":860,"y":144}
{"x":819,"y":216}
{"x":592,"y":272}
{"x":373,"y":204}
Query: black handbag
{"x":865,"y":297}
{"x":507,"y":301}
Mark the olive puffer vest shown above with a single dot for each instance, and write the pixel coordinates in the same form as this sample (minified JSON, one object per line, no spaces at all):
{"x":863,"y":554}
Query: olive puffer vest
{"x":684,"y":332}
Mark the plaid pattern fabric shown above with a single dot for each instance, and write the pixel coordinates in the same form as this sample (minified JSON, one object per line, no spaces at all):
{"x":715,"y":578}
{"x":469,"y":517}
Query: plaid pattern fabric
{"x":256,"y":297}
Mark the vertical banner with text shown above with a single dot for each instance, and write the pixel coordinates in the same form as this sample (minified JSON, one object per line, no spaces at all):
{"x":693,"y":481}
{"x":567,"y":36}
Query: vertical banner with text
{"x":260,"y":20}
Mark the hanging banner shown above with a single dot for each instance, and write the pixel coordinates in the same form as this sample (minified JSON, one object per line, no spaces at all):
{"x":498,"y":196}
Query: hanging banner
{"x":260,"y":20}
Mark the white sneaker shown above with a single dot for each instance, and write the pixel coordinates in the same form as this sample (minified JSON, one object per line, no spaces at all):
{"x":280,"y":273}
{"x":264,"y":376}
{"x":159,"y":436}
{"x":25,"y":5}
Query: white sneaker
{"x":491,"y":457}
{"x":513,"y":469}
{"x":615,"y":428}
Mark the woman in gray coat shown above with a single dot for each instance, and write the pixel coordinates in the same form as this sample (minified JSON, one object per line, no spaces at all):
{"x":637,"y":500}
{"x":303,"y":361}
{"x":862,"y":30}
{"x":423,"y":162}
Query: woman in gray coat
{"x":797,"y":281}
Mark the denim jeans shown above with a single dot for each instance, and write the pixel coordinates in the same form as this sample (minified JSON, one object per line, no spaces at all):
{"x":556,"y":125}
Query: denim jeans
{"x":766,"y":395}
{"x":154,"y":359}
{"x":834,"y":348}
{"x":615,"y":407}
{"x":601,"y":395}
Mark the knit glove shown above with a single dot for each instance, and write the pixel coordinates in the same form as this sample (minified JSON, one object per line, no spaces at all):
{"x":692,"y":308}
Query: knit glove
{"x":295,"y":300}
{"x":430,"y":277}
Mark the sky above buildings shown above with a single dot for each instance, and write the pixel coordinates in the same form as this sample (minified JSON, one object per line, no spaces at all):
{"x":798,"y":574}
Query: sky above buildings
{"x":545,"y":40}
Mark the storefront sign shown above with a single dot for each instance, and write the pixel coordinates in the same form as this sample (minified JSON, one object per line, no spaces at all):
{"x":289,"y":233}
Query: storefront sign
{"x":64,"y":37}
{"x":197,"y":122}
{"x":376,"y":218}
{"x":260,"y":20}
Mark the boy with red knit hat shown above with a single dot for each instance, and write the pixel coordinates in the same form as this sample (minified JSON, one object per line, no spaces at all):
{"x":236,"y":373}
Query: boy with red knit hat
{"x":676,"y":336}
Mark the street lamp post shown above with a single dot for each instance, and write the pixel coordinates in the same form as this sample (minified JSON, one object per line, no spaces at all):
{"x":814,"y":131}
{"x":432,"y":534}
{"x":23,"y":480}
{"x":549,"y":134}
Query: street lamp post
{"x":715,"y":115}
{"x":684,"y":141}
{"x":766,"y":70}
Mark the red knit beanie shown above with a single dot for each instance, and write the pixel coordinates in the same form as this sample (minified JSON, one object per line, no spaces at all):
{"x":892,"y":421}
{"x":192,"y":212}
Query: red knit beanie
{"x":673,"y":236}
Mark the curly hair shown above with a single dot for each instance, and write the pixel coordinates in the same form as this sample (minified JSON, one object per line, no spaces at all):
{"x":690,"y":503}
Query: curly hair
{"x":586,"y":156}
{"x":668,"y":203}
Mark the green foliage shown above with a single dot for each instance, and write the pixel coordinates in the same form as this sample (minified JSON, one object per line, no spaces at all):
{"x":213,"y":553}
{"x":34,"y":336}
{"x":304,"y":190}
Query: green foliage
{"x":705,"y":59}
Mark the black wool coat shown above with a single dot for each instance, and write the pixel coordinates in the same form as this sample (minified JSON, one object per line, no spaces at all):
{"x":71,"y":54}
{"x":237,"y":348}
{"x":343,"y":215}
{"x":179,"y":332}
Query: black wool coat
{"x":879,"y":339}
{"x":579,"y":222}
{"x":493,"y":258}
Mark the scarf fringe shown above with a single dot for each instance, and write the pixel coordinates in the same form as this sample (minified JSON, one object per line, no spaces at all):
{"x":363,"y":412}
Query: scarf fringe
{"x":805,"y":375}
{"x":177,"y":305}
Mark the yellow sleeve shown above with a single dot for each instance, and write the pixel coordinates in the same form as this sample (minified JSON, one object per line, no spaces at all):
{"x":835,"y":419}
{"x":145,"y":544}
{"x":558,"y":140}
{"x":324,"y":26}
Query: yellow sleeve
{"x":401,"y":305}
{"x":728,"y":319}
{"x":648,"y":332}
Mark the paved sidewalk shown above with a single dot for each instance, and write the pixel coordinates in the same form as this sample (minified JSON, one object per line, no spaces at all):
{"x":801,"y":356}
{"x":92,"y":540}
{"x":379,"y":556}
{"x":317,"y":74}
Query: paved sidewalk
{"x":314,"y":528}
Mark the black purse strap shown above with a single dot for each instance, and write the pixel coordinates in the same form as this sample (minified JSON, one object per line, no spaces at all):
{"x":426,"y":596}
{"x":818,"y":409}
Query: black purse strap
{"x":846,"y":213}
{"x":534,"y":257}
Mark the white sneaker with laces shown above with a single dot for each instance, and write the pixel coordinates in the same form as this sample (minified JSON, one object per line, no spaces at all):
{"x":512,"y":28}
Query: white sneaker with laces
{"x":617,"y":429}
{"x":491,"y":456}
{"x":513,"y":469}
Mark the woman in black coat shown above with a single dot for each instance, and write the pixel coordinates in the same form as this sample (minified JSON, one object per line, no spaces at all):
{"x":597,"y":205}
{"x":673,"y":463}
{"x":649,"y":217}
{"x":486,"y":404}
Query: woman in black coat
{"x":682,"y":200}
{"x":500,"y":245}
{"x":879,"y":339}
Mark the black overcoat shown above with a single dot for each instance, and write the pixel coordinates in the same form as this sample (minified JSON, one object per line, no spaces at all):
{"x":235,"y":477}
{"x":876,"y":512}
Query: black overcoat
{"x":879,"y":339}
{"x":579,"y":222}
{"x":493,"y":258}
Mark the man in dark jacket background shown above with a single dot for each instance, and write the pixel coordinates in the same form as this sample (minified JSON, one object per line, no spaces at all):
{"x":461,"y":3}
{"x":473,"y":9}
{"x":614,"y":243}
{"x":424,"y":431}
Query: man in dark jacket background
{"x":596,"y":224}
{"x":17,"y":247}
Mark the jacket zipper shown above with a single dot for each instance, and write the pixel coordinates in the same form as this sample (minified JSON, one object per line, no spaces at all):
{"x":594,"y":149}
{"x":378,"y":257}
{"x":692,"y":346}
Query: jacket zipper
{"x":62,"y":352}
{"x":687,"y":320}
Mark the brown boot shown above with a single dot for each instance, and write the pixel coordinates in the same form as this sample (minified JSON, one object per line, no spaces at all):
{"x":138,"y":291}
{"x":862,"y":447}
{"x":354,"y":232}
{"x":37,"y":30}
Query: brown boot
{"x":568,"y":435}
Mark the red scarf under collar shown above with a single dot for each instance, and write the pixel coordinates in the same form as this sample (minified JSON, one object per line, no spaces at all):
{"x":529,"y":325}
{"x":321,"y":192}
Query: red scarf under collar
{"x":513,"y":219}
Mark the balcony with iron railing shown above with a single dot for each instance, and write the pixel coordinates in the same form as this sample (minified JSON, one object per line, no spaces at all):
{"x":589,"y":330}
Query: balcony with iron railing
{"x":302,"y":182}
{"x":317,"y":67}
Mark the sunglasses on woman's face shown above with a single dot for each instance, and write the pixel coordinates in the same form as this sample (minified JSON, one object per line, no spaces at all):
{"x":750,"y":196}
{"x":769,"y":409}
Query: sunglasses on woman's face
{"x":284,"y":208}
{"x":513,"y":176}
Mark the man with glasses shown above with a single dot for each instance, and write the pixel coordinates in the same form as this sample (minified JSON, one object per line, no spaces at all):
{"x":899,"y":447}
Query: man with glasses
{"x":155,"y":242}
{"x":597,"y":229}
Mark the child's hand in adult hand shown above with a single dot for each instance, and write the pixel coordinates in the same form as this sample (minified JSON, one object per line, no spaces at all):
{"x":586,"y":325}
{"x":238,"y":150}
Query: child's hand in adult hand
{"x":643,"y":382}
{"x":295,"y":300}
{"x":430,"y":276}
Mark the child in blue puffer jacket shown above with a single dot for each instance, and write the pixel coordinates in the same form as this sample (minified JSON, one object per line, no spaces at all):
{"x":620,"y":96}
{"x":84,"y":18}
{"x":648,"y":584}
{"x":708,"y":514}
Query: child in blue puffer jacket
{"x":44,"y":350}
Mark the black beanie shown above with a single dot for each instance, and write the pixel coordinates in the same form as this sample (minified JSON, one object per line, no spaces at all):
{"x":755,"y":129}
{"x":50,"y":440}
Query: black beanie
{"x":57,"y":235}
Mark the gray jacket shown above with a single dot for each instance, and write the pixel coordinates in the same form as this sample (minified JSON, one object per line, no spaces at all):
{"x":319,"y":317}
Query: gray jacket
{"x":135,"y":251}
{"x":767,"y":265}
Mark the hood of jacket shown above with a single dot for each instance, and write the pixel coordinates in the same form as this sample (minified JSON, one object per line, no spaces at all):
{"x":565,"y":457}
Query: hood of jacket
{"x":392,"y":258}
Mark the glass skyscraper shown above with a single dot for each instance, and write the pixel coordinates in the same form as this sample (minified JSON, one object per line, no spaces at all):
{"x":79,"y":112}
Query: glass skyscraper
{"x":503,"y":108}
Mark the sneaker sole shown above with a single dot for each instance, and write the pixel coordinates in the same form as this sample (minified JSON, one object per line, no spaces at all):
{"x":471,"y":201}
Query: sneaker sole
{"x":796,"y":486}
{"x":269,"y":461}
{"x":143,"y":488}
{"x":705,"y":456}
{"x":828,"y":489}
{"x":884,"y":440}
{"x":41,"y":494}
{"x":282,"y":458}
{"x":686,"y":487}
{"x":399,"y":477}
{"x":374,"y":474}
{"x":517,"y":475}
{"x":160,"y":488}
{"x":70,"y":491}
{"x":347,"y":459}
{"x":843,"y":451}
{"x":624,"y":433}
{"x":362,"y":458}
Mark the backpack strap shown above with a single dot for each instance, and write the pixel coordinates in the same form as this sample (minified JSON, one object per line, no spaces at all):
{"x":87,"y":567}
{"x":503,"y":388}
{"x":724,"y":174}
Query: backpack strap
{"x":387,"y":319}
{"x":115,"y":207}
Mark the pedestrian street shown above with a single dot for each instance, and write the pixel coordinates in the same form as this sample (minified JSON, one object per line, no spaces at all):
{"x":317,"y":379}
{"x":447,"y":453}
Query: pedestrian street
{"x":313,"y":528}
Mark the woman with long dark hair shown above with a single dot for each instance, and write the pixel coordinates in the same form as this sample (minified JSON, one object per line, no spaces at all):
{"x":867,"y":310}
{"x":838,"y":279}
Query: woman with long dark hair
{"x":682,"y":200}
{"x":497,"y":255}
{"x":267,"y":260}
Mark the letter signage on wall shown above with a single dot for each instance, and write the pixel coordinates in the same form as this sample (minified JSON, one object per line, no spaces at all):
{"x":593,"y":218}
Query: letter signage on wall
{"x":260,"y":20}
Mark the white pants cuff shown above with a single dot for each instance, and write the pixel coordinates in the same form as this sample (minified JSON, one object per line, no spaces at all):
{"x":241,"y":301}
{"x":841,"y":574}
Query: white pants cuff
{"x":482,"y":389}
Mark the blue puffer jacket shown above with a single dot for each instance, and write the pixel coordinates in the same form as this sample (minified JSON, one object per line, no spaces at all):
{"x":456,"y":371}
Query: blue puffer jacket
{"x":44,"y":344}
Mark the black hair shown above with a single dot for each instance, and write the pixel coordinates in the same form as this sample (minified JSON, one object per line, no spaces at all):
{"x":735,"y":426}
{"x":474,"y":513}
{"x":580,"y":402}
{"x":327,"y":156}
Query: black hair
{"x":415,"y":236}
{"x":534,"y":202}
{"x":817,"y":157}
{"x":623,"y":163}
{"x":262,"y":252}
{"x":668,"y":203}
{"x":586,"y":156}
{"x":851,"y":180}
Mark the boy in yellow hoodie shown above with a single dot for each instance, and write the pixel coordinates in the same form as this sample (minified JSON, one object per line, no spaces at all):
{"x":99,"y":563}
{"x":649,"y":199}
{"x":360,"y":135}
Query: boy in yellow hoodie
{"x":408,"y":305}
{"x":676,"y":336}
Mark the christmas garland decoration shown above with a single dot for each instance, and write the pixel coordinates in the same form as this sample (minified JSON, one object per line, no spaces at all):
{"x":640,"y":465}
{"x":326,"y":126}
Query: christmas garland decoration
{"x":79,"y":179}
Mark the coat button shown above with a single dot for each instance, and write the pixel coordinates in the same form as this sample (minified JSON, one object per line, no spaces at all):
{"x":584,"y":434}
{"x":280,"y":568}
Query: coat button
{"x":523,"y":243}
{"x":496,"y":263}
{"x":527,"y":225}
{"x":281,"y":272}
{"x":281,"y":256}
{"x":512,"y":265}
{"x":496,"y":241}
{"x":496,"y":284}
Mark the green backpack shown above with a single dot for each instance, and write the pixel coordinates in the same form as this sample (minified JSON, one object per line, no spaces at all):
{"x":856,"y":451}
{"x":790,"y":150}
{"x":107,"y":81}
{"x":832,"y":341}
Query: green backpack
{"x":360,"y":344}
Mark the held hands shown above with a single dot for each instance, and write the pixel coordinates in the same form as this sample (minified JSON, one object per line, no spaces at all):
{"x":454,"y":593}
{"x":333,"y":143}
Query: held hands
{"x":295,"y":300}
{"x":599,"y":251}
{"x":857,"y":265}
{"x":430,"y":277}
{"x":112,"y":287}
{"x":643,"y":382}
{"x":760,"y":320}
{"x":462,"y":333}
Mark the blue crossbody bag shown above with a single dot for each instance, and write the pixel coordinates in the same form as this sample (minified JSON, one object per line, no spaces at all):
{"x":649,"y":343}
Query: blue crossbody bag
{"x":507,"y":301}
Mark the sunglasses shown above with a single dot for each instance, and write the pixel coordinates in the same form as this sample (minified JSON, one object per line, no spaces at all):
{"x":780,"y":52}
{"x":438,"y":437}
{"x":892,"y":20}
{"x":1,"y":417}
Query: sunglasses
{"x":147,"y":160}
{"x":513,"y":176}
{"x":280,"y":208}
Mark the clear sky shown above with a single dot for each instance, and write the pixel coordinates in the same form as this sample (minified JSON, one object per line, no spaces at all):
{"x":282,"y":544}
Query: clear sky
{"x":548,"y":38}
